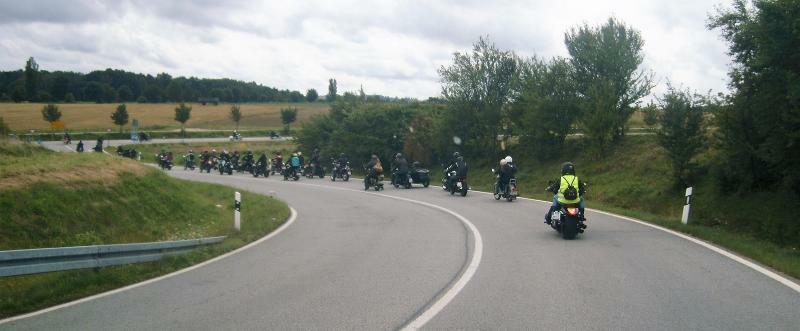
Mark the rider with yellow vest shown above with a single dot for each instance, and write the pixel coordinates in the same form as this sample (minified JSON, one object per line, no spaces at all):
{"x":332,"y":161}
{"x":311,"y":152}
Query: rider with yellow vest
{"x":559,"y":188}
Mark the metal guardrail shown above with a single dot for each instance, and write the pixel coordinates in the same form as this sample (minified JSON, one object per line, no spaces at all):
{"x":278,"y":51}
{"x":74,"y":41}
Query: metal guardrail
{"x":33,"y":261}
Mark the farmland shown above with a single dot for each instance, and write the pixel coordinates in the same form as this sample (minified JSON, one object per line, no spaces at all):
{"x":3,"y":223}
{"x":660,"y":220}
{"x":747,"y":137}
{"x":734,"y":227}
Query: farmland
{"x":92,"y":116}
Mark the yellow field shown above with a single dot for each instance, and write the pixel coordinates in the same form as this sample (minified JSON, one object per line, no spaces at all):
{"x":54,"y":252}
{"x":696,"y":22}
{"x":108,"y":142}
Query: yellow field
{"x":78,"y":116}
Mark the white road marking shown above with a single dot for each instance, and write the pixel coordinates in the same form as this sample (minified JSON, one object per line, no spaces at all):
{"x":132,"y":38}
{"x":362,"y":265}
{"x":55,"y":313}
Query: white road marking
{"x":752,"y":265}
{"x":454,"y":288}
{"x":285,"y":225}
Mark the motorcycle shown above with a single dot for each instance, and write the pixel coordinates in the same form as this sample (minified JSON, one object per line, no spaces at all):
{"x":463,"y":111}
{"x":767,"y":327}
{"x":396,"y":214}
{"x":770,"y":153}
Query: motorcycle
{"x":289,"y":172}
{"x":375,"y":182}
{"x":277,"y":167}
{"x":260,"y":169}
{"x":247,"y":165}
{"x":419,"y":175}
{"x":509,"y":192}
{"x":225,"y":167}
{"x":341,"y":171}
{"x":401,"y":180}
{"x":188,"y":163}
{"x":164,"y":162}
{"x":567,"y":219}
{"x":207,"y":165}
{"x":236,"y":136}
{"x":460,"y":184}
{"x":67,"y":140}
{"x":312,"y":170}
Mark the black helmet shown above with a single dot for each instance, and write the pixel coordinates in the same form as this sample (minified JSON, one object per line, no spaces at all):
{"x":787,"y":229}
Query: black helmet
{"x":456,"y":155}
{"x":567,"y":169}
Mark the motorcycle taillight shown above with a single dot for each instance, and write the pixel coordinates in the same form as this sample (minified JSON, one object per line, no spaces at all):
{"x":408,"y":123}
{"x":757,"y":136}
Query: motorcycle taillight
{"x":572,"y":211}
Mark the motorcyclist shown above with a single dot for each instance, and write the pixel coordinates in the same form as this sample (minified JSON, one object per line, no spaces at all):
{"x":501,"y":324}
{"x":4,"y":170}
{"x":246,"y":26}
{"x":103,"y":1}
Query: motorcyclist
{"x":235,"y":160}
{"x":189,"y":158}
{"x":400,"y":169}
{"x":459,"y":166}
{"x":506,"y":172}
{"x":295,"y":163}
{"x":79,"y":148}
{"x":342,"y":160}
{"x":374,"y":169}
{"x":99,"y":146}
{"x":278,"y":161}
{"x":560,"y":186}
{"x":315,"y":159}
{"x":300,"y":156}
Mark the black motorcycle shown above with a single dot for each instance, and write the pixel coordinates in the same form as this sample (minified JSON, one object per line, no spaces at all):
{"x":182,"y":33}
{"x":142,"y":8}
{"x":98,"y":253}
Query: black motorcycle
{"x":290,"y":172}
{"x":459,"y":183}
{"x":188,"y":163}
{"x":260,"y":169}
{"x":277,"y":167}
{"x":247,"y":165}
{"x":419,"y":175}
{"x":341,"y":171}
{"x":207,"y":165}
{"x":312,"y":170}
{"x":509,"y":192}
{"x":375,"y":182}
{"x":164,"y":162}
{"x":225,"y":166}
{"x":567,"y":218}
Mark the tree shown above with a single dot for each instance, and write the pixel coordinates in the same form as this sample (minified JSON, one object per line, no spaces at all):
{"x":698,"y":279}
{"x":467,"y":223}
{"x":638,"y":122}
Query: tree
{"x":125,"y":93}
{"x":153,"y":93}
{"x":182,"y":115}
{"x":361,"y":94}
{"x":235,"y":115}
{"x":141,"y":99}
{"x":331,"y":90}
{"x":311,"y":95}
{"x":93,"y":92}
{"x":69,"y":97}
{"x":120,"y":116}
{"x":60,"y":87}
{"x":31,"y":79}
{"x":478,"y":86}
{"x":681,"y":131}
{"x":547,"y":106}
{"x":759,"y":130}
{"x":288,"y":116}
{"x":50,"y":113}
{"x":606,"y":60}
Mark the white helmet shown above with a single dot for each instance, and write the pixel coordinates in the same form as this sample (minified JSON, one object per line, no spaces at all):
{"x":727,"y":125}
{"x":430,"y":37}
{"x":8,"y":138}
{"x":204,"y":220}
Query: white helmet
{"x":508,"y":159}
{"x":503,"y":162}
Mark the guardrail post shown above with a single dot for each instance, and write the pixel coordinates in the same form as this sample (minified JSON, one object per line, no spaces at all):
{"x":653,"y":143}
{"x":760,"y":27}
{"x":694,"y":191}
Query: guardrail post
{"x":687,"y":207}
{"x":237,"y":206}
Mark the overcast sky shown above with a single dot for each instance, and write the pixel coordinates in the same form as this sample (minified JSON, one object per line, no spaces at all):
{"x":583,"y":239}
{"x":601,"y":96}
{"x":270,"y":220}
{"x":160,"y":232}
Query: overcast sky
{"x":392,"y":48}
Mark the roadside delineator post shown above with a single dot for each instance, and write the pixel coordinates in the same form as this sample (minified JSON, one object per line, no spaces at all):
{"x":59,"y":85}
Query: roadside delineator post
{"x":687,"y":207}
{"x":237,"y":207}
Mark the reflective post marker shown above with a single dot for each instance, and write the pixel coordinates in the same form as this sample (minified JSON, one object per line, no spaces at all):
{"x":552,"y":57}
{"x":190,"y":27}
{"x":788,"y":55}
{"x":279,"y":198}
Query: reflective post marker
{"x":237,"y":207}
{"x":687,"y":207}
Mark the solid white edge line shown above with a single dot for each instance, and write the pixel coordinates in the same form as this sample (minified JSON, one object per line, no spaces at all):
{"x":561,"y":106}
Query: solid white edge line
{"x":750,"y":264}
{"x":466,"y":272}
{"x":292,"y":217}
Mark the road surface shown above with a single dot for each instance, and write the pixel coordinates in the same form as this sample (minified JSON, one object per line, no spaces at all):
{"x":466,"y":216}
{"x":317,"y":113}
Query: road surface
{"x":356,"y":260}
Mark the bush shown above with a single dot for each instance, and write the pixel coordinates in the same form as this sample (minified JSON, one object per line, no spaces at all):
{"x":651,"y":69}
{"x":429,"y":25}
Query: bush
{"x":69,"y":98}
{"x":141,"y":99}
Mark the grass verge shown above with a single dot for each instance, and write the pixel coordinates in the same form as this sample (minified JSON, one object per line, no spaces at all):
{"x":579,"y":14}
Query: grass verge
{"x":130,"y":208}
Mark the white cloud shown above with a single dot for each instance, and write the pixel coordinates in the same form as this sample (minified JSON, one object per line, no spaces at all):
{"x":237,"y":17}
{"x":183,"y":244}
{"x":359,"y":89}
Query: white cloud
{"x":392,"y":48}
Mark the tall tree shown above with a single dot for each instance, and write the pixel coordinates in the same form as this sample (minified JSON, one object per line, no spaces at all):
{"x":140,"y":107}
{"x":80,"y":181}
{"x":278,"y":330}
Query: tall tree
{"x":311,"y":95}
{"x":235,"y":115}
{"x":120,"y":116}
{"x":288,"y":116}
{"x":681,"y":131}
{"x":124,"y":93}
{"x":182,"y":115}
{"x":331,"y":90}
{"x":31,"y":79}
{"x":478,"y":86}
{"x":606,"y":60}
{"x":50,"y":113}
{"x":547,"y":106}
{"x":759,"y":131}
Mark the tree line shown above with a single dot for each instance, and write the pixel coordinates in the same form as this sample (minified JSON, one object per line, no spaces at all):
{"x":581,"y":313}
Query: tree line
{"x":110,"y":85}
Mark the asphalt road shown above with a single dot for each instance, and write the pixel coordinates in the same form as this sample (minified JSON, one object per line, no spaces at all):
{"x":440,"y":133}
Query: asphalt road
{"x":364,"y":261}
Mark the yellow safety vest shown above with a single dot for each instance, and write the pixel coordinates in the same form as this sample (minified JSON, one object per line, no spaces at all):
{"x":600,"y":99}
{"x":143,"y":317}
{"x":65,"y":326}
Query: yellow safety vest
{"x":566,"y":180}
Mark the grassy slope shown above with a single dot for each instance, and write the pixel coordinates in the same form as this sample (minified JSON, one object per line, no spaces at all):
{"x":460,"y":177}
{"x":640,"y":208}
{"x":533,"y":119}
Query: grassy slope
{"x":635,"y":180}
{"x":25,"y":116}
{"x":127,"y":207}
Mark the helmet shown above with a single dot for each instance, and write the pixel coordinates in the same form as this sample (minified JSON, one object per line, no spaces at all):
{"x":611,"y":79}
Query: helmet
{"x":503,"y":162}
{"x":374,"y":156}
{"x":190,"y":151}
{"x":456,"y":155}
{"x":341,"y":154}
{"x":567,"y":168}
{"x":224,"y":151}
{"x":299,"y":153}
{"x":294,"y":154}
{"x":213,"y":150}
{"x":509,"y":159}
{"x":398,"y":155}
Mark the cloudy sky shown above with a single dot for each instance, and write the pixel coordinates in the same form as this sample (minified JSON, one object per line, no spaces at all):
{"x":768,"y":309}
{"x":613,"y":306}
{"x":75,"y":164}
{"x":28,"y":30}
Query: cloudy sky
{"x":391,"y":47}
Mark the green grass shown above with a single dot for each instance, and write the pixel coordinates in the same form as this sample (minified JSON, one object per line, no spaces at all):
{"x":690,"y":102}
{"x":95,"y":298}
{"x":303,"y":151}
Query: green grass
{"x":132,"y":208}
{"x":635,"y":180}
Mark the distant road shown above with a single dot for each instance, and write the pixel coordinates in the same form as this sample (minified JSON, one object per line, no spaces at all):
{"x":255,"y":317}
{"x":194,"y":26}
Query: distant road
{"x":362,"y":261}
